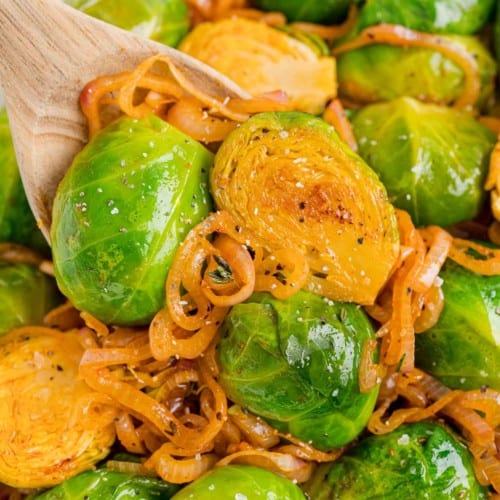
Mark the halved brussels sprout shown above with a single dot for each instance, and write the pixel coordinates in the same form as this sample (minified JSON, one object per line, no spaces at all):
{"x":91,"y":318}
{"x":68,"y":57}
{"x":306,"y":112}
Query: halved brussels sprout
{"x":104,"y":484}
{"x":17,"y":224}
{"x":26,"y":295}
{"x":240,"y":482}
{"x":463,"y":17}
{"x":292,"y":183}
{"x":382,"y":72}
{"x":463,"y":348}
{"x":421,"y":460}
{"x":121,"y":211}
{"x":165,"y":21}
{"x":316,"y":11}
{"x":50,"y":426}
{"x":433,"y":160}
{"x":295,"y":363}
{"x":262,"y":59}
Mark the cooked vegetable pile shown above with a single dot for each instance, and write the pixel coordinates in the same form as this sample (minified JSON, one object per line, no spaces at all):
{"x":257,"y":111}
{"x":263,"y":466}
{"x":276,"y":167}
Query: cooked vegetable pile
{"x":290,"y":294}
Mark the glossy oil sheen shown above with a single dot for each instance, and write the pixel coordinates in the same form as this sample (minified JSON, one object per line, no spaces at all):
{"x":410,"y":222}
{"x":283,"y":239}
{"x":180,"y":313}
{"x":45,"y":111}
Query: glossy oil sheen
{"x":120,"y":213}
{"x":432,"y":160}
{"x":109,"y":485}
{"x":464,"y":17}
{"x":240,"y":482}
{"x":416,"y":462}
{"x":382,"y":72}
{"x":463,"y":348}
{"x":295,"y":363}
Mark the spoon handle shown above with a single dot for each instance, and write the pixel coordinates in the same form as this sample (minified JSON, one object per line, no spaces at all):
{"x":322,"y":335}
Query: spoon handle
{"x":49,"y":51}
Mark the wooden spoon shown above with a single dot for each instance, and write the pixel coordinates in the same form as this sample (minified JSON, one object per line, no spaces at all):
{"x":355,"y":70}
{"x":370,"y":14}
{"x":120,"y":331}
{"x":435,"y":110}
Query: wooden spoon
{"x":48,"y":52}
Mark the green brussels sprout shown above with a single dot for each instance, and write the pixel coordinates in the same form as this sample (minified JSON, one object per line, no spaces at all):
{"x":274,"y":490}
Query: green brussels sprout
{"x":124,"y":206}
{"x":295,"y":363}
{"x":432,"y":160}
{"x":382,"y":72}
{"x":110,"y":485}
{"x":17,"y":224}
{"x":165,"y":21}
{"x":463,"y":17}
{"x":26,"y":295}
{"x":240,"y":482}
{"x":315,"y":11}
{"x":415,"y":461}
{"x":463,"y":348}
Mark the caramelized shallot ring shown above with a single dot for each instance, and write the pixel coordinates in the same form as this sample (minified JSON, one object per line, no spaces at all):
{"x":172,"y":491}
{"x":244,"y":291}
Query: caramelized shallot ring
{"x":335,"y":115}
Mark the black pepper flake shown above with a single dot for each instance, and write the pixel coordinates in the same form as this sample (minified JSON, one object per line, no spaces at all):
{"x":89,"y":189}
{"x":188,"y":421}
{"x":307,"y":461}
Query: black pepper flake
{"x":302,"y":205}
{"x":409,"y":290}
{"x":59,"y":368}
{"x":360,"y":240}
{"x":484,"y":388}
{"x":237,"y":229}
{"x":301,"y":219}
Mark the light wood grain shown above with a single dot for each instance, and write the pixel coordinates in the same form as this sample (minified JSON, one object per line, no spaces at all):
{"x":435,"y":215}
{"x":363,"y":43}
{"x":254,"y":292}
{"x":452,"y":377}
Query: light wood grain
{"x":48,"y":52}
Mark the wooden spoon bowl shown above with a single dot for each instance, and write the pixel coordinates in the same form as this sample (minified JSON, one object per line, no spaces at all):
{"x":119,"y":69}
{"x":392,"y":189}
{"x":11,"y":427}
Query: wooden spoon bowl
{"x":49,"y":51}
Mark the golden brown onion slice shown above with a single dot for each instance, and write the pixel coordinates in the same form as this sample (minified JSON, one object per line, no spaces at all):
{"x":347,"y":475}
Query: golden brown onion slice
{"x":291,"y":183}
{"x":51,"y":424}
{"x":262,"y":59}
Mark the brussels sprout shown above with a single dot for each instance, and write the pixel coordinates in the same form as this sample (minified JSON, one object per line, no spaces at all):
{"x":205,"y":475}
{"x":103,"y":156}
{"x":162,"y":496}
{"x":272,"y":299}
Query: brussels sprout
{"x":315,"y":11}
{"x":463,"y":17}
{"x":295,"y":363}
{"x":381,"y":72}
{"x":290,"y":181}
{"x":26,"y":295}
{"x":240,"y":482}
{"x":120,"y":213}
{"x":433,"y":160}
{"x":51,"y":427}
{"x":17,"y":224}
{"x":109,"y":485}
{"x":415,"y":461}
{"x":463,"y":348}
{"x":165,"y":21}
{"x":273,"y":60}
